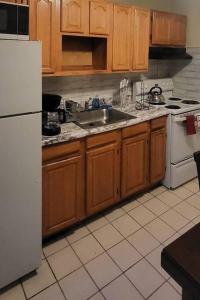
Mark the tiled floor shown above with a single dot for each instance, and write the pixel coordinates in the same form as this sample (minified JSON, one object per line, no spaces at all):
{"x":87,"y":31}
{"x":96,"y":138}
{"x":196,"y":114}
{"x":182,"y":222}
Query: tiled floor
{"x":116,"y":255}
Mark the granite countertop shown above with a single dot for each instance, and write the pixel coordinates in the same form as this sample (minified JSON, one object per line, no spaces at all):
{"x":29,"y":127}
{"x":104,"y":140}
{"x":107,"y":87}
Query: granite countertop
{"x":71,"y":131}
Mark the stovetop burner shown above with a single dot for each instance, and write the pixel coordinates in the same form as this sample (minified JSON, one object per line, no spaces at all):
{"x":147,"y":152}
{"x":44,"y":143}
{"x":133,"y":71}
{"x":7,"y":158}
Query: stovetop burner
{"x":175,"y":99}
{"x":172,"y":107}
{"x":191,"y":102}
{"x":160,"y":103}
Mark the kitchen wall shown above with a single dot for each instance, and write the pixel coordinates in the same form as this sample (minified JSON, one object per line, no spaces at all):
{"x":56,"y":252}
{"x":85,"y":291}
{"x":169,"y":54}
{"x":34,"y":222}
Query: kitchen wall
{"x":80,"y":88}
{"x":186,"y":76}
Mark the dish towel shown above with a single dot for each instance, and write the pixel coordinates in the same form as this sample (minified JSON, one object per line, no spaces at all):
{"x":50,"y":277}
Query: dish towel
{"x":190,"y":125}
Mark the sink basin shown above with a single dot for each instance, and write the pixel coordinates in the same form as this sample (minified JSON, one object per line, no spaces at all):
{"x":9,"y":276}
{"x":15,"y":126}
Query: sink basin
{"x":101,"y":117}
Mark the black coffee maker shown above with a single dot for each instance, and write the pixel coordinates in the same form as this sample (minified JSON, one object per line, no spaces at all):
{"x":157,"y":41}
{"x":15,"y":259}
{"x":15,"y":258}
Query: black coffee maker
{"x":50,"y":115}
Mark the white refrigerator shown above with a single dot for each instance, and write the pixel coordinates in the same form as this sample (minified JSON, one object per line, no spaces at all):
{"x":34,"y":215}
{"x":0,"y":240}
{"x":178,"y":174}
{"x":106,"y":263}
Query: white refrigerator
{"x":20,"y":159}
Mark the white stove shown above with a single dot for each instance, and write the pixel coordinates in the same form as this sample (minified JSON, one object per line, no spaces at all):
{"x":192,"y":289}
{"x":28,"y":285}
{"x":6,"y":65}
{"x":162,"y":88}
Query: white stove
{"x":180,"y":165}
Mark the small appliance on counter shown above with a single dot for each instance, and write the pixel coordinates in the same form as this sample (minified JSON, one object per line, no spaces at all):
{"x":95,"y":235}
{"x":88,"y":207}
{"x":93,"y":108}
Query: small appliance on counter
{"x":155,"y":95}
{"x":50,"y":114}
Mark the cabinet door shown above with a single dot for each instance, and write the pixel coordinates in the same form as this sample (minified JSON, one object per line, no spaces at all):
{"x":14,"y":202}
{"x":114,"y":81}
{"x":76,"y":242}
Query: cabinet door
{"x":122,"y":38}
{"x":135,"y":164}
{"x":158,"y":155}
{"x":63,"y":194}
{"x":74,"y":15}
{"x":44,"y":22}
{"x":161,"y":28}
{"x":103,"y":173}
{"x":141,"y":39}
{"x":178,"y":30}
{"x":99,"y":17}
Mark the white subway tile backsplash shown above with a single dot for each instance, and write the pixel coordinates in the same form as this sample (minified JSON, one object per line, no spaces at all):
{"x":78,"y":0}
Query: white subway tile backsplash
{"x":80,"y":88}
{"x":186,"y":76}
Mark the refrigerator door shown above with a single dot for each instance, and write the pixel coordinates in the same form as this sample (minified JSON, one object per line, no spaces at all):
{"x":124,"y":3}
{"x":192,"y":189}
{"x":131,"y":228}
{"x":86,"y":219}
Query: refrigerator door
{"x":20,"y":196}
{"x":20,"y":77}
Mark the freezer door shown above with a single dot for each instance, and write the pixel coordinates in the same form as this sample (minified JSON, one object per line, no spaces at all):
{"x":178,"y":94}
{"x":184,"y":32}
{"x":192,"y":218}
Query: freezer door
{"x":20,"y":196}
{"x":20,"y":77}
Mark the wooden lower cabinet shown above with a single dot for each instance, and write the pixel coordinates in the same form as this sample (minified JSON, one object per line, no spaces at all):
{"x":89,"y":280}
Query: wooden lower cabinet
{"x":103,"y":177}
{"x":63,"y":193}
{"x":157,"y":155}
{"x":118,"y":164}
{"x":135,"y":164}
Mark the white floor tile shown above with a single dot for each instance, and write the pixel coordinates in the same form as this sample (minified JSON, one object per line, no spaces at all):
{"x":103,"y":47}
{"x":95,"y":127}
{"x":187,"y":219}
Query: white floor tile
{"x":192,"y":186}
{"x":131,"y":205}
{"x":160,"y":230}
{"x":196,"y":220}
{"x":143,"y":241}
{"x":114,"y":213}
{"x":13,"y":293}
{"x":156,"y":206}
{"x":171,"y":239}
{"x":187,"y":210}
{"x":182,"y":192}
{"x":64,"y":262}
{"x":55,"y":246}
{"x":126,"y":225}
{"x":174,"y":219}
{"x":145,"y":197}
{"x":175,"y":285}
{"x":121,"y":289}
{"x":37,"y":282}
{"x":87,"y":248}
{"x":166,"y":292}
{"x":98,"y":296}
{"x":108,"y":236}
{"x":51,"y":293}
{"x":194,"y":201}
{"x":124,"y":255}
{"x":169,"y":198}
{"x":97,"y":223}
{"x":145,"y":278}
{"x":103,"y":270}
{"x":142,"y":215}
{"x":157,"y":191}
{"x":77,"y":234}
{"x":154,"y":258}
{"x":78,"y":285}
{"x":186,"y":228}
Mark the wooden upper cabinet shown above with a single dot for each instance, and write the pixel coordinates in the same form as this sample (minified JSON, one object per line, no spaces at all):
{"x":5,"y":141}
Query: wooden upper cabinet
{"x":141,"y":39}
{"x":100,"y":17}
{"x":44,"y":26}
{"x":122,"y":38}
{"x":168,"y":29}
{"x":161,"y":28}
{"x":178,"y":30}
{"x":74,"y":16}
{"x":135,"y":164}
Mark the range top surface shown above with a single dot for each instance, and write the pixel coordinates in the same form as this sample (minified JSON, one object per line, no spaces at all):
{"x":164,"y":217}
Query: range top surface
{"x":177,"y":105}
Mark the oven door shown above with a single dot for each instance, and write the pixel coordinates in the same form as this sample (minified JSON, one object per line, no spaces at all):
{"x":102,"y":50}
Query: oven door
{"x":182,"y":145}
{"x":8,"y":21}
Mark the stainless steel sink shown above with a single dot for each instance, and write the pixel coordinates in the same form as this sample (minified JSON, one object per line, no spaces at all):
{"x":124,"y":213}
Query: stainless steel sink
{"x":101,"y":117}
